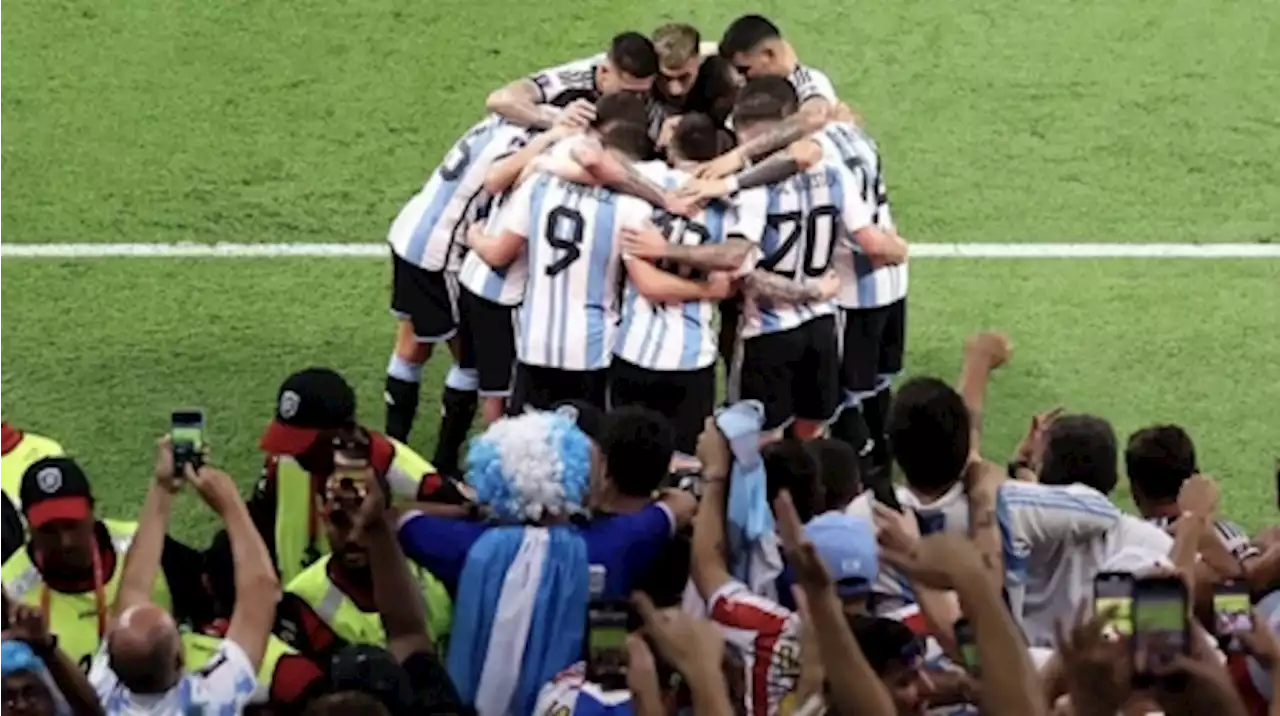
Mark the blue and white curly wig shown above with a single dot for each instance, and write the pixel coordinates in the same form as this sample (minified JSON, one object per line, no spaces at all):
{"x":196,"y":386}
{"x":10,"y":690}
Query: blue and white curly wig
{"x":531,"y":466}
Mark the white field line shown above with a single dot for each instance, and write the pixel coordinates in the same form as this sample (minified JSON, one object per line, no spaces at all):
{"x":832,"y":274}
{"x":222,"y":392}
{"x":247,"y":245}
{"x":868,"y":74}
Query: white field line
{"x":379,"y":250}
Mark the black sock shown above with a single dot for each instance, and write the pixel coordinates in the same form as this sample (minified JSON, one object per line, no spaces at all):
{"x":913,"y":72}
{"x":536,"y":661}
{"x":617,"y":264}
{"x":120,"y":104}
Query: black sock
{"x":877,"y":417}
{"x":402,"y":404}
{"x":457,"y":410}
{"x":851,"y":428}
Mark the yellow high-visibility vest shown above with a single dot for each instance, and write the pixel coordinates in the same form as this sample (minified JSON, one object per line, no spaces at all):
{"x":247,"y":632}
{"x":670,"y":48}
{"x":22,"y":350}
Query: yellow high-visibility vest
{"x":197,"y":649}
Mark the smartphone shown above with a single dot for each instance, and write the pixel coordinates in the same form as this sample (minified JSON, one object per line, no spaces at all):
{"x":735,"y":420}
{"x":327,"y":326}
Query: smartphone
{"x":1161,"y":623}
{"x":607,"y":644}
{"x":1232,"y":614}
{"x":885,"y":494}
{"x":968,"y":644}
{"x":186,"y":431}
{"x":1115,"y":590}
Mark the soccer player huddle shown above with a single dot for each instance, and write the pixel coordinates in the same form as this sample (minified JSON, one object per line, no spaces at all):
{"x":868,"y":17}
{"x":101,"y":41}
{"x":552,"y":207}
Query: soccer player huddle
{"x":616,"y":225}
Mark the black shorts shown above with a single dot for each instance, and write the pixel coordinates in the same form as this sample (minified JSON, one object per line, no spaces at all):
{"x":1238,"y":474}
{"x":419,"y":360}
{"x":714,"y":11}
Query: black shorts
{"x":795,"y":373}
{"x":684,"y":397}
{"x":487,"y":336}
{"x":540,"y":387}
{"x":872,"y":342}
{"x":428,"y":299}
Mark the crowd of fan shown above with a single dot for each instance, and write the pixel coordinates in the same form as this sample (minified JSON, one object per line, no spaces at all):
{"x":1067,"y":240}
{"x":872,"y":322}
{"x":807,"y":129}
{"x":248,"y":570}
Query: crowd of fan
{"x":580,"y":570}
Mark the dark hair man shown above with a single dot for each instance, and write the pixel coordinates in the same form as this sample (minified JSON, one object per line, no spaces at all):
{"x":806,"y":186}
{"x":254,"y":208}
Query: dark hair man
{"x":629,"y":65}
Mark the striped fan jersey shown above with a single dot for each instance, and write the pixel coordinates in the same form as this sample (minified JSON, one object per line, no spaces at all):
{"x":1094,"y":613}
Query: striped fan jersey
{"x":503,"y":286}
{"x":569,"y":318}
{"x":797,"y":224}
{"x":810,"y":83}
{"x":431,"y":230}
{"x":863,"y":285}
{"x":1231,"y":534}
{"x":673,"y":336}
{"x":570,"y":694}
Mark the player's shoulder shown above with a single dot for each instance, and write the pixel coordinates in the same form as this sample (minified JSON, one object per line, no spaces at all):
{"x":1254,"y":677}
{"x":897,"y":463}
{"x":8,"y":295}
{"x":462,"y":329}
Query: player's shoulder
{"x":659,"y":171}
{"x":581,"y":68}
{"x":811,"y":82}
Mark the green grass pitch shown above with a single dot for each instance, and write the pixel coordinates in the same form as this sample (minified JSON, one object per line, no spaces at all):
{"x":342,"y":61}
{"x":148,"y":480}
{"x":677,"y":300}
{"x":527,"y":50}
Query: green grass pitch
{"x":311,"y":121}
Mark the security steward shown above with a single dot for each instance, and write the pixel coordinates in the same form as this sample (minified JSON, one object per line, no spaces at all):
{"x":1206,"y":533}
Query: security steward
{"x":17,"y":451}
{"x":330,"y":604}
{"x":71,"y":566}
{"x":313,"y":406}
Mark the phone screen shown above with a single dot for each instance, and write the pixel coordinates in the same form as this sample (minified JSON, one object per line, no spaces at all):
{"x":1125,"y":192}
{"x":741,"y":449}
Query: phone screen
{"x":1160,"y":621}
{"x":607,"y":645}
{"x":186,"y":430}
{"x":1115,"y":590}
{"x":968,"y":646}
{"x":1232,"y":614}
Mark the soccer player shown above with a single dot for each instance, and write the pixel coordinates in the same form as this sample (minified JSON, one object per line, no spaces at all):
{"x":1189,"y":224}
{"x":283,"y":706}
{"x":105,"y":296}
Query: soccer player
{"x":689,"y":81}
{"x":666,"y":354}
{"x":789,"y":353}
{"x":629,"y":66}
{"x":569,"y":233}
{"x":873,"y":308}
{"x":427,"y":240}
{"x":755,"y":46}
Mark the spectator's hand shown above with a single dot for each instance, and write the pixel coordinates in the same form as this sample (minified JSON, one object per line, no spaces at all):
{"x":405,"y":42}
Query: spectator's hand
{"x":1208,"y":689}
{"x":27,"y":623}
{"x":1262,"y":644}
{"x":642,"y":671}
{"x":577,"y":114}
{"x":813,"y":676}
{"x":644,"y":243}
{"x":693,"y":646}
{"x":983,"y":477}
{"x":373,"y":508}
{"x":895,"y":530}
{"x":940,"y":561}
{"x":1097,"y":670}
{"x":991,"y":347}
{"x":1032,"y":445}
{"x":713,"y":450}
{"x":1199,"y":497}
{"x":811,"y":573}
{"x":216,"y":488}
{"x":164,"y":474}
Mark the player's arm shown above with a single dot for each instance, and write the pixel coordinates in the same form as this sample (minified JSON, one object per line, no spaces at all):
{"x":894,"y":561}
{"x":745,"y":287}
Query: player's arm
{"x":780,"y":289}
{"x":811,"y":117}
{"x":520,"y":102}
{"x":617,"y":172}
{"x":736,"y":254}
{"x":664,"y":287}
{"x":799,"y":157}
{"x":500,"y":249}
{"x":884,"y":248}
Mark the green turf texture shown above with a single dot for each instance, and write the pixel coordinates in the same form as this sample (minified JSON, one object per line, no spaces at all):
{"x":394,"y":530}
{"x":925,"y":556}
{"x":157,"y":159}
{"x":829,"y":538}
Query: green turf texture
{"x":229,"y":120}
{"x":312,"y":120}
{"x":102,"y":366}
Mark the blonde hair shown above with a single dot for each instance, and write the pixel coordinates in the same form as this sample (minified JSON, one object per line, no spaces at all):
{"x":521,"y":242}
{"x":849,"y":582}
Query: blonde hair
{"x":676,"y":44}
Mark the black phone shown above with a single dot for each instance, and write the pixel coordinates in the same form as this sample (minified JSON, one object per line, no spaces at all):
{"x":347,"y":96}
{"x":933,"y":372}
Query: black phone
{"x":1232,"y":614}
{"x":968,"y":644}
{"x":1114,"y":590}
{"x":186,"y":433}
{"x":884,"y":493}
{"x":607,"y":644}
{"x":1161,"y":623}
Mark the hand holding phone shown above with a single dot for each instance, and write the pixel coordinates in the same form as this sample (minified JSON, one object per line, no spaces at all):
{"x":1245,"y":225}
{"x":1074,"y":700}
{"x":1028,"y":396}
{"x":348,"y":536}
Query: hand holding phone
{"x":1114,"y":591}
{"x":1161,"y":623}
{"x":968,"y":643}
{"x":186,"y":433}
{"x":607,"y":643}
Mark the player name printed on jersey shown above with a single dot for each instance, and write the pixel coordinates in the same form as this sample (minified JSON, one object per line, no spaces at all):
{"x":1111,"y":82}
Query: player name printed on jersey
{"x":431,"y":230}
{"x":569,"y":317}
{"x":863,"y":285}
{"x":504,"y":286}
{"x":673,"y":336}
{"x":797,"y":223}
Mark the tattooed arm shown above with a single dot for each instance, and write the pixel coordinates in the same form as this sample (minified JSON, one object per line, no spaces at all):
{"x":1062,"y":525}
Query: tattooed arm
{"x":727,"y":256}
{"x":780,"y":289}
{"x":808,"y":120}
{"x":518,"y":102}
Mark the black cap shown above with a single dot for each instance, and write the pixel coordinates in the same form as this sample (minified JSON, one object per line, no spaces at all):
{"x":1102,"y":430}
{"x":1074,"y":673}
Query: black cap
{"x":55,"y":488}
{"x":308,"y":402}
{"x":372,"y":670}
{"x":589,"y":418}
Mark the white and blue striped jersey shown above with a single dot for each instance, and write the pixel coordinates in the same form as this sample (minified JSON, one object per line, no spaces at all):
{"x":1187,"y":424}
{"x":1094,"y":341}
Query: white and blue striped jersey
{"x":673,"y":336}
{"x":569,"y":318}
{"x":810,"y":83}
{"x":797,"y":224}
{"x":861,"y":284}
{"x":1036,"y":523}
{"x":573,"y":76}
{"x":504,"y":286}
{"x":431,"y":230}
{"x":570,"y":694}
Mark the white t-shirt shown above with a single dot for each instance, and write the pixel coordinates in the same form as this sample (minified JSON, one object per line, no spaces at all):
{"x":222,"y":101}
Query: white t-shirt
{"x":225,"y":686}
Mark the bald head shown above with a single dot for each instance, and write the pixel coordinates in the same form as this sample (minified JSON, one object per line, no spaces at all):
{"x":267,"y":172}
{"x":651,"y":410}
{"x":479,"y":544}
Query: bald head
{"x":145,"y":650}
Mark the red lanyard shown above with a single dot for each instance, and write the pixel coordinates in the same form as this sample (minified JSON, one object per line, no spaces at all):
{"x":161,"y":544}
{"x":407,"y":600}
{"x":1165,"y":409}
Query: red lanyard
{"x":99,"y":593}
